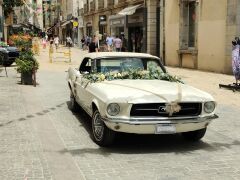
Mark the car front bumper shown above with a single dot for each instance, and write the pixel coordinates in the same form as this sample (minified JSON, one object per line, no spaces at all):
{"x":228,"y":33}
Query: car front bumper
{"x":149,"y":125}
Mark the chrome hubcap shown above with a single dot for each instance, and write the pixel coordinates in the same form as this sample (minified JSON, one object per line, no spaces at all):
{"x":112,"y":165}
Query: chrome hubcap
{"x":98,"y":127}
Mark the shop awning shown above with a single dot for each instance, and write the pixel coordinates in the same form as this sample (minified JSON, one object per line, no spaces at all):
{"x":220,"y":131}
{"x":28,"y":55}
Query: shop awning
{"x":130,"y":10}
{"x":66,"y":22}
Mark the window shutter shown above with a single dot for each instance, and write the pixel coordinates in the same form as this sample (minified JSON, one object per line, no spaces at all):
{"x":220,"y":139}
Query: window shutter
{"x":184,"y":26}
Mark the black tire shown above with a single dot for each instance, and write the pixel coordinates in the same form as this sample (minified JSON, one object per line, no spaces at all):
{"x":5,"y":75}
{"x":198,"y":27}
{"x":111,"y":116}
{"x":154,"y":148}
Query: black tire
{"x":73,"y":104}
{"x":194,"y":135}
{"x":103,"y":136}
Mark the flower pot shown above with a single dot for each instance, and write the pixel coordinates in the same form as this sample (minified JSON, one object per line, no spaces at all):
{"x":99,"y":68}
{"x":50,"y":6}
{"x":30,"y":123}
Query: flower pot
{"x":26,"y":78}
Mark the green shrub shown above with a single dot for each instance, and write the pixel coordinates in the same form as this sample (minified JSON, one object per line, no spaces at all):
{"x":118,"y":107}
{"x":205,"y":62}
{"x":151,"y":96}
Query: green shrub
{"x":26,"y":62}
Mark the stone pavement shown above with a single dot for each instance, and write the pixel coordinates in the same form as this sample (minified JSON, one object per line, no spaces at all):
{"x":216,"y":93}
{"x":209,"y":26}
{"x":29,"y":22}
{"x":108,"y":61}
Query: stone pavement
{"x":40,"y":138}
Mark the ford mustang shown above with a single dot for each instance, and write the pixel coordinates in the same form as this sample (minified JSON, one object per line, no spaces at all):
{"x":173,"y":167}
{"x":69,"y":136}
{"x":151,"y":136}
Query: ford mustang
{"x":133,"y":93}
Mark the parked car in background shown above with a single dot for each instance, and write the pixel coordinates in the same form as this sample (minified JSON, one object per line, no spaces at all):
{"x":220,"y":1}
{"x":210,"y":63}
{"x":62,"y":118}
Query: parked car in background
{"x":8,"y":54}
{"x":133,"y":93}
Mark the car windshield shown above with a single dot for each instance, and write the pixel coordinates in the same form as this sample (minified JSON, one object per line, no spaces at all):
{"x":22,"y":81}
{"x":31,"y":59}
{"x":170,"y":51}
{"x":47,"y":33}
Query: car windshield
{"x":127,"y":63}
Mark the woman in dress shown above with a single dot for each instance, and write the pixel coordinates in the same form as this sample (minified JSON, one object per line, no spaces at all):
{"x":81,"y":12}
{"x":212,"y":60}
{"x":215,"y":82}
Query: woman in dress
{"x":236,"y":59}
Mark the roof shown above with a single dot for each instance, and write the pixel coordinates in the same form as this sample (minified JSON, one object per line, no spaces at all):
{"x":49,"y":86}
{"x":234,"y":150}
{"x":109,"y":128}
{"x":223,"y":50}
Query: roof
{"x":118,"y":54}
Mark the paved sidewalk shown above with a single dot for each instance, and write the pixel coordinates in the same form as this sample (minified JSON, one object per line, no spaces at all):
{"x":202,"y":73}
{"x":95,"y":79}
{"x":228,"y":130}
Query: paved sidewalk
{"x":40,"y":138}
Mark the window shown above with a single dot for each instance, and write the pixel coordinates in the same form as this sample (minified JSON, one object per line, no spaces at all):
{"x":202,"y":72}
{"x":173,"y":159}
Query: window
{"x":86,"y":65}
{"x":188,"y":32}
{"x":122,"y":64}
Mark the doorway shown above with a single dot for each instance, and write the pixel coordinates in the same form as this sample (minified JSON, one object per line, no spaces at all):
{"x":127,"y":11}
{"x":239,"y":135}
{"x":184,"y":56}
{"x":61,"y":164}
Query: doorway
{"x":135,"y":39}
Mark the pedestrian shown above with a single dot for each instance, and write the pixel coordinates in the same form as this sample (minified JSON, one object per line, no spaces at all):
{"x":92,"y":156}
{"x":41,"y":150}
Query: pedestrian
{"x":236,"y":59}
{"x":44,"y":43}
{"x":93,"y":46}
{"x":124,"y":43}
{"x":69,"y":41}
{"x":89,"y":40}
{"x":83,"y":43}
{"x":46,"y":37}
{"x":56,"y":41}
{"x":109,"y":41}
{"x":117,"y":44}
{"x":97,"y":40}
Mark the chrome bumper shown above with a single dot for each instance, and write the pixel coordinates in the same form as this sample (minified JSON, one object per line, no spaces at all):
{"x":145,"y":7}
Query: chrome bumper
{"x":160,"y":120}
{"x":148,"y":125}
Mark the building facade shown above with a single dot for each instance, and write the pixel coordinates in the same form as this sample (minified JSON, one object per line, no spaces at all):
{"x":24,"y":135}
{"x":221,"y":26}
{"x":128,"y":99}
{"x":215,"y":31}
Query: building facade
{"x":198,"y":33}
{"x":1,"y":20}
{"x":69,"y":19}
{"x":136,"y":20}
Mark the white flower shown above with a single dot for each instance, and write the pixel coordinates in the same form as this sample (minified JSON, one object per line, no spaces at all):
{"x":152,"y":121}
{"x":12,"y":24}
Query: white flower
{"x":102,"y":77}
{"x":119,"y":75}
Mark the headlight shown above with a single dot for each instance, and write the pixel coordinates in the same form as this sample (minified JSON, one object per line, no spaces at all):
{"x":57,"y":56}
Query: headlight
{"x":113,"y":109}
{"x":209,"y":107}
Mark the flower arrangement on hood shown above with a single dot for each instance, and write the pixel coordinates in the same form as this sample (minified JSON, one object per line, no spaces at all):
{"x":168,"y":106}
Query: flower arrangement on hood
{"x":151,"y":74}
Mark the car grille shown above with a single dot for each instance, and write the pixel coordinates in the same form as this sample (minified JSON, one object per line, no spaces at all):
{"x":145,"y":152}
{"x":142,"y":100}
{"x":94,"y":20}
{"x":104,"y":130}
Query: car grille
{"x":157,"y":109}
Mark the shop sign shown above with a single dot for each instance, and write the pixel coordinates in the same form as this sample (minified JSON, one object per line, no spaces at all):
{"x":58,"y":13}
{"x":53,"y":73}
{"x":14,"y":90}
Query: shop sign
{"x":117,"y":22}
{"x":75,"y":24}
{"x":103,"y":22}
{"x":136,"y":18}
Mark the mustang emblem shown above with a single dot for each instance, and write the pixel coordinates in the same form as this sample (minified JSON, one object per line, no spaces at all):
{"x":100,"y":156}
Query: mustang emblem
{"x":161,"y":109}
{"x":170,"y":108}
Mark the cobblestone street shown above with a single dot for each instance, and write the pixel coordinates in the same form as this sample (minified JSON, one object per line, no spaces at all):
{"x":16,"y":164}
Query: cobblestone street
{"x":40,"y":138}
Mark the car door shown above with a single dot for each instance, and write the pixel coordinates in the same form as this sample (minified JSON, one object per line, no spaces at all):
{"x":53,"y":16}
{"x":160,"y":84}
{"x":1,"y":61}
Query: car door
{"x":81,"y":84}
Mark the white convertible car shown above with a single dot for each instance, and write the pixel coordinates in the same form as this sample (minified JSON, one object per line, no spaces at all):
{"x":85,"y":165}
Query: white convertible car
{"x":132,"y":93}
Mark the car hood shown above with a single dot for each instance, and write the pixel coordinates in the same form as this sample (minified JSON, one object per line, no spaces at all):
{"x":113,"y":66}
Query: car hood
{"x":147,"y":91}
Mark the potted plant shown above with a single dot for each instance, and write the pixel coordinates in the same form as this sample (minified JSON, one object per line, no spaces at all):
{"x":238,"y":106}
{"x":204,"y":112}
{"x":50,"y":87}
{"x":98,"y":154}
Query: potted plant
{"x":27,"y":66}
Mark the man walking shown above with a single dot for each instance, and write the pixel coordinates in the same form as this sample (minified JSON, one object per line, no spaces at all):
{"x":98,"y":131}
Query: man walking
{"x":56,"y":41}
{"x":117,"y":44}
{"x":109,"y":41}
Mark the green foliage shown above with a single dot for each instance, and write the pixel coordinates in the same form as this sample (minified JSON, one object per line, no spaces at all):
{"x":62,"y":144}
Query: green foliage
{"x":151,"y":74}
{"x":8,"y":6}
{"x":3,"y":44}
{"x":26,"y":62}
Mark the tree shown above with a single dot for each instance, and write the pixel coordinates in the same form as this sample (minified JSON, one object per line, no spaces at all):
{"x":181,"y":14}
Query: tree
{"x":8,"y":6}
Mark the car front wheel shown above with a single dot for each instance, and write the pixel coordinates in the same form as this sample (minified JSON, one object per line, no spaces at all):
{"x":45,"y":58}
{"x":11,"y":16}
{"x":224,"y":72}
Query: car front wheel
{"x":102,"y":135}
{"x":194,"y":135}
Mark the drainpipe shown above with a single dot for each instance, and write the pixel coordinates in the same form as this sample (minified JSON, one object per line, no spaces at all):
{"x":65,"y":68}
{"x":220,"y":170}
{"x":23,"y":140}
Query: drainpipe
{"x":158,"y":21}
{"x":145,"y":26}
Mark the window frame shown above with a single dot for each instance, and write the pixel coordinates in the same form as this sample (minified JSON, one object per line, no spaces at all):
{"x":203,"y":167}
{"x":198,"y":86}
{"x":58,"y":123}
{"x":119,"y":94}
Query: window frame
{"x":184,"y":35}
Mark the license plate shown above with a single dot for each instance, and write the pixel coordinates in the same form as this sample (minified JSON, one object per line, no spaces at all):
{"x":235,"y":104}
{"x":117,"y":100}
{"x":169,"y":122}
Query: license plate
{"x":165,"y":129}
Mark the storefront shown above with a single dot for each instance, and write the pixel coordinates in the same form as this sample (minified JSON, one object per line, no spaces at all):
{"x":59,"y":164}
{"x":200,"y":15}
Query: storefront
{"x":135,"y":31}
{"x":117,"y":24}
{"x":103,"y":25}
{"x":89,"y":29}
